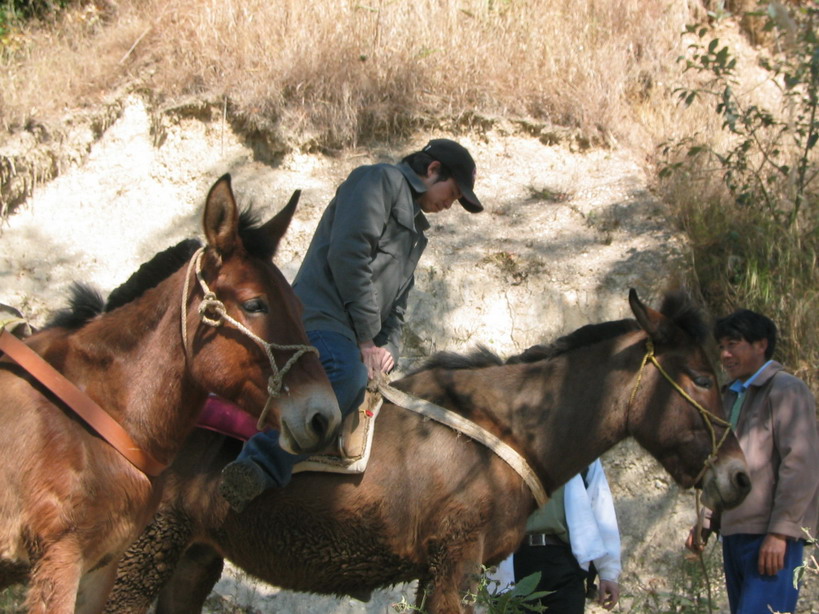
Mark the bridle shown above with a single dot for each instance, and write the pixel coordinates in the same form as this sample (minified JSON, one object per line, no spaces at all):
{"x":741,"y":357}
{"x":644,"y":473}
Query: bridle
{"x":213,"y":312}
{"x":709,"y":418}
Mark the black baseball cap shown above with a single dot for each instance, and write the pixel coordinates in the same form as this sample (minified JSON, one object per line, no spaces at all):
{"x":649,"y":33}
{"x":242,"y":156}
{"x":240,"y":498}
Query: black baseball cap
{"x":457,"y":159}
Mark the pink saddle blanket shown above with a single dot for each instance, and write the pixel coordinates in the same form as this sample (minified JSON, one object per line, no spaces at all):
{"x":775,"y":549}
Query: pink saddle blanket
{"x":226,"y":418}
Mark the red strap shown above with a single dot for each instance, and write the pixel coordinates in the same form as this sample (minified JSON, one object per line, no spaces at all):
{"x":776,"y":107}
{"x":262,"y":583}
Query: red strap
{"x":224,"y":417}
{"x":81,"y":403}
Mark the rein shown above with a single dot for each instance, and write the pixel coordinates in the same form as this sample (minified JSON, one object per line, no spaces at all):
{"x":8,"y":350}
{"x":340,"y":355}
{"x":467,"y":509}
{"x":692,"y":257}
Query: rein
{"x":472,"y":430}
{"x":707,"y":416}
{"x":94,"y":415}
{"x":213,"y":312}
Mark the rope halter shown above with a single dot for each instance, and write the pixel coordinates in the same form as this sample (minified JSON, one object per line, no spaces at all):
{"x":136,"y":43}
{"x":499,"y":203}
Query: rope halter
{"x":709,"y":418}
{"x":212,"y":312}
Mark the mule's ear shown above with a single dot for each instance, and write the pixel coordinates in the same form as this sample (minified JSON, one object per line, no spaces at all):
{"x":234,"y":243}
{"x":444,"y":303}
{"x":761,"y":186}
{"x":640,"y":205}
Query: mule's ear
{"x":649,"y":319}
{"x":275,"y":228}
{"x":221,"y":217}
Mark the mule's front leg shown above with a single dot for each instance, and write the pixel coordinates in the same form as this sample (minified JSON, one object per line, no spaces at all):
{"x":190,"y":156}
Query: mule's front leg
{"x":95,"y":587}
{"x":197,"y":573}
{"x":55,"y":578}
{"x":454,"y":572}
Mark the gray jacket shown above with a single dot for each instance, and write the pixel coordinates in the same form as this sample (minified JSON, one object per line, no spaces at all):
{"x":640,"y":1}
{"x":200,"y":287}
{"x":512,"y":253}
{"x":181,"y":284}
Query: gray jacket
{"x":360,"y":265}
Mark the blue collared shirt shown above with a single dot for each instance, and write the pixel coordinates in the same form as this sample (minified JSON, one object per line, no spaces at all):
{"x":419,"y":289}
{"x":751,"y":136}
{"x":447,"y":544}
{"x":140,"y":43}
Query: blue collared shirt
{"x":741,"y":387}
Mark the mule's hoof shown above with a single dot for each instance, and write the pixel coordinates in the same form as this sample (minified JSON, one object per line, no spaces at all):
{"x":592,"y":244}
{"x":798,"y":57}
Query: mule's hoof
{"x":242,"y":481}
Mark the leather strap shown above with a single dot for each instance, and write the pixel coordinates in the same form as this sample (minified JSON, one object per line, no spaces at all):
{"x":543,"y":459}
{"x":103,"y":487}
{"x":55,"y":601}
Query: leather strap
{"x":81,"y":403}
{"x":472,"y":430}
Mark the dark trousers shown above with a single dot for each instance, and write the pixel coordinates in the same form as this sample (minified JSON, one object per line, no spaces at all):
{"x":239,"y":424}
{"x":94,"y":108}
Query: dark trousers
{"x":559,"y":572}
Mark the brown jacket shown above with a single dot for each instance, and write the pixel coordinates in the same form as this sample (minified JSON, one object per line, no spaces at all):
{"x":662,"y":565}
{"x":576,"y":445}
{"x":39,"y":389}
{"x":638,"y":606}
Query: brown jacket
{"x":777,"y":432}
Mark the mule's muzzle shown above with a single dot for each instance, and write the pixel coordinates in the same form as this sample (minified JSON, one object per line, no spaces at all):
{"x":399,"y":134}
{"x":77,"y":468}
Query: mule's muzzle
{"x":305,"y":432}
{"x":726,"y":485}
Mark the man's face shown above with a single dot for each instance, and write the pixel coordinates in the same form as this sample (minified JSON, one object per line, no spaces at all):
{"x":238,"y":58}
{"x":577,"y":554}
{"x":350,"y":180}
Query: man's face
{"x":440,"y":195}
{"x":741,"y":359}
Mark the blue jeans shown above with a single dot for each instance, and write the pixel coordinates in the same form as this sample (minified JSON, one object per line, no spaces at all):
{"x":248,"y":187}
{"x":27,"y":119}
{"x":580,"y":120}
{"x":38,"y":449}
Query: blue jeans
{"x":748,"y":591}
{"x":341,"y":360}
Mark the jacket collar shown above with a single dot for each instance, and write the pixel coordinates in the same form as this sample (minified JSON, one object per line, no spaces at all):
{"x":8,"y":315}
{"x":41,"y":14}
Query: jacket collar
{"x":767,"y":373}
{"x":418,"y":187}
{"x":763,"y":377}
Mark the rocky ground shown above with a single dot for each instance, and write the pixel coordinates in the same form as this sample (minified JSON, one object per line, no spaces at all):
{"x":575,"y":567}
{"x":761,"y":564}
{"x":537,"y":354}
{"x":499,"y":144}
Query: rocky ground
{"x":565,"y":233}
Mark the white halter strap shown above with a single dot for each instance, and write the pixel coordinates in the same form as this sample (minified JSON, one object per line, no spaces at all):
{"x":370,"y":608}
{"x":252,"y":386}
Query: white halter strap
{"x":213,"y":312}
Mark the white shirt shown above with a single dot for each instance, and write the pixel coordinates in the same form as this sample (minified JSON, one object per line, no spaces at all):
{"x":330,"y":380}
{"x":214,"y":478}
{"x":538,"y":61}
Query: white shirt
{"x":592,"y":522}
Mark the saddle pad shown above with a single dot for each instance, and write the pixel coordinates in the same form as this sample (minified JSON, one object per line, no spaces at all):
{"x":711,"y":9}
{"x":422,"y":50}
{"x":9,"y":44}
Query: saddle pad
{"x":352,"y":451}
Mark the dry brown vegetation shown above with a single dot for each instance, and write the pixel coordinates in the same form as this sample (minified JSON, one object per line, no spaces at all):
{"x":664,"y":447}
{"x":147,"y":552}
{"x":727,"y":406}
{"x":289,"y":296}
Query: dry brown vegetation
{"x":330,"y":74}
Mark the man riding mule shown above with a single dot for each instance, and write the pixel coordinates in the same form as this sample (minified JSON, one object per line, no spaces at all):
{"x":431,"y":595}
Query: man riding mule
{"x":354,"y":283}
{"x":433,"y":504}
{"x":95,"y":406}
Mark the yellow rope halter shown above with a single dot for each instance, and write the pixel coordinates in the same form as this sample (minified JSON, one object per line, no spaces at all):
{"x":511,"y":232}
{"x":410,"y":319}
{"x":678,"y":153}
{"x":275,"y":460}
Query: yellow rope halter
{"x":709,"y":418}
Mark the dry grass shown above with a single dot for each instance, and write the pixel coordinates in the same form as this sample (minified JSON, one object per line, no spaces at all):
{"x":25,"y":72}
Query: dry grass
{"x":333,"y":73}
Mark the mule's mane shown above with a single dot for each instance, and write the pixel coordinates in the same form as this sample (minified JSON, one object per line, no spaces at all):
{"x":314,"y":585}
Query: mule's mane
{"x":85,"y":302}
{"x":680,"y":309}
{"x":479,"y":358}
{"x":582,"y":337}
{"x":152,"y":273}
{"x":677,"y":307}
{"x":483,"y":357}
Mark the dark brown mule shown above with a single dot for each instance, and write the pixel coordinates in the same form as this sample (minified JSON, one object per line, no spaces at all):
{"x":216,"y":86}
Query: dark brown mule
{"x":433,"y":505}
{"x":70,"y":504}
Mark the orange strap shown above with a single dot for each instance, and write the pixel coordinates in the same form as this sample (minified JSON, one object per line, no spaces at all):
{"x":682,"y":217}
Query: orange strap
{"x":81,"y":403}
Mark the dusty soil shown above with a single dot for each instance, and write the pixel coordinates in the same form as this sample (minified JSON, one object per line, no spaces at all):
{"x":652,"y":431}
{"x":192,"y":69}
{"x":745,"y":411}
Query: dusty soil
{"x":565,"y":234}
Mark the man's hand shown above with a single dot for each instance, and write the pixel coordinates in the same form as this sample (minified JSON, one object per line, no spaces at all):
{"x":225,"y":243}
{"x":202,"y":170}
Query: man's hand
{"x":697,"y":543}
{"x":376,"y":359}
{"x":772,"y":554}
{"x":608,"y":594}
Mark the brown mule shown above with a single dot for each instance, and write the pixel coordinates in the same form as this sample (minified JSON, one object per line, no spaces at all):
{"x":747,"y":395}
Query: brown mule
{"x":70,"y":503}
{"x":434,"y":505}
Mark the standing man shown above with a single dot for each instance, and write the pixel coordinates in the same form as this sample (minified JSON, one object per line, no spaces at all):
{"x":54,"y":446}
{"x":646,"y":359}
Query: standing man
{"x":774,"y":416}
{"x":354,"y":283}
{"x":576,"y":528}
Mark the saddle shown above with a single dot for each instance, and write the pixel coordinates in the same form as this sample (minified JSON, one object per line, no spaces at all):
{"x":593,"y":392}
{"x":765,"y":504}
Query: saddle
{"x":351,"y":451}
{"x":348,"y":454}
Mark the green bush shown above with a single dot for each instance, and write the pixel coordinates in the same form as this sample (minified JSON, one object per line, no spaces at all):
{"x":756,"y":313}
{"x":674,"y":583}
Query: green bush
{"x":749,"y":197}
{"x":15,"y":12}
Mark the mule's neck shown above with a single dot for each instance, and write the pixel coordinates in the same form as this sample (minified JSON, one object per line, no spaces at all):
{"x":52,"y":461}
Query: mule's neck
{"x":135,"y":367}
{"x":560,"y":413}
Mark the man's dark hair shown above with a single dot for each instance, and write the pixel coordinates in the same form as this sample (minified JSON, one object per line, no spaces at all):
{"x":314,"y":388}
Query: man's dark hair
{"x":420,"y":161}
{"x":748,"y":325}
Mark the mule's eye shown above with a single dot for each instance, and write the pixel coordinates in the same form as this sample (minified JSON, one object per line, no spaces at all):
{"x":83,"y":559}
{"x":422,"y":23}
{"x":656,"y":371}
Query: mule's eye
{"x":255,"y":305}
{"x":703,"y":381}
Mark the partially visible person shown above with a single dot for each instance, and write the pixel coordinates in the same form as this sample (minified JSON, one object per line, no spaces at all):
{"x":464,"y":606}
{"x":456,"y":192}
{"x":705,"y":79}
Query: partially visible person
{"x":774,"y":416}
{"x":568,"y":539}
{"x":354,"y":283}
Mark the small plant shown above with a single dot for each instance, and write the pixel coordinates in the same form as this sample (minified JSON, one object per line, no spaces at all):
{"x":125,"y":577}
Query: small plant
{"x":809,"y":563}
{"x":11,"y":600}
{"x":691,"y":589}
{"x":521,"y":598}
